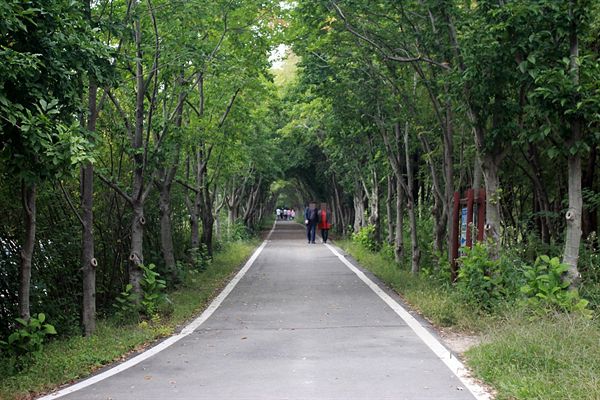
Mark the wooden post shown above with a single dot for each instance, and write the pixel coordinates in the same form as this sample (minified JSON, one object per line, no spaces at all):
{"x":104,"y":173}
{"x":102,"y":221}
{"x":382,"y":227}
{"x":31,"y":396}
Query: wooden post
{"x":454,"y":236}
{"x":469,"y":217}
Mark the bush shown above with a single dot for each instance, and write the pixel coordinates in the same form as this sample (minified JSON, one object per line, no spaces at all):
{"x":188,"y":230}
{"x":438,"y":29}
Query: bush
{"x":484,"y":282}
{"x":25,"y":344}
{"x":154,"y":300}
{"x":154,"y":296}
{"x":366,"y":238}
{"x":545,"y":287}
{"x":200,"y":258}
{"x":237,"y":232}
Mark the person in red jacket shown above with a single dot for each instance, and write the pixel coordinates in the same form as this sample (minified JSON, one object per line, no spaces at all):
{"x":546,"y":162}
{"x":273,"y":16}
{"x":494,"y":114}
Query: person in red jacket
{"x":324,"y":221}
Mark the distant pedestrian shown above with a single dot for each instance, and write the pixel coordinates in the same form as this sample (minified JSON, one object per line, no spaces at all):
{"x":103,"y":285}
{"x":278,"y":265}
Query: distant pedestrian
{"x":324,"y":221}
{"x":311,"y":220}
{"x":278,"y":212}
{"x":293,"y":214}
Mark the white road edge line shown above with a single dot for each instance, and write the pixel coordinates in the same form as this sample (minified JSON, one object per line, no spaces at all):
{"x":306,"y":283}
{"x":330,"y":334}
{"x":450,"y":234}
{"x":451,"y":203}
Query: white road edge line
{"x":443,"y":354}
{"x":171,"y":340}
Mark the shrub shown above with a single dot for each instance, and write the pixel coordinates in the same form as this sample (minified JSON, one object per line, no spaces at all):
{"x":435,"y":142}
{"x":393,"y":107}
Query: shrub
{"x":366,"y":238}
{"x":153,"y":301}
{"x":126,"y":305}
{"x":200,"y":258}
{"x":26,"y":343}
{"x":545,"y":287}
{"x":484,"y":282}
{"x":154,"y":296}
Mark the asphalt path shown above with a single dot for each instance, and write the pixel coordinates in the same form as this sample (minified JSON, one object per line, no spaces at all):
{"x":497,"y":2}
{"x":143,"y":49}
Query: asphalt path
{"x":300,"y":324}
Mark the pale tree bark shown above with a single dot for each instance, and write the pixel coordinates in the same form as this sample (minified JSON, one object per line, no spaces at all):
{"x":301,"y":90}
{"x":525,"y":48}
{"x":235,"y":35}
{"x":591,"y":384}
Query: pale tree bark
{"x":359,"y":207}
{"x":88,"y":261}
{"x":373,"y":198}
{"x":388,"y":208}
{"x":399,"y":236}
{"x":493,"y":194}
{"x":28,"y":197}
{"x":574,"y":214}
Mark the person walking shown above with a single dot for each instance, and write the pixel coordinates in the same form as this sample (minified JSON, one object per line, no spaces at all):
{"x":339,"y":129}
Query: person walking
{"x":311,"y":220}
{"x":278,"y":212}
{"x":324,"y":221}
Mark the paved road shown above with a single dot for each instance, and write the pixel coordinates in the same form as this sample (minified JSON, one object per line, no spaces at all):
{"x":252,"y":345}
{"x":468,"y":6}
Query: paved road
{"x":299,"y":325}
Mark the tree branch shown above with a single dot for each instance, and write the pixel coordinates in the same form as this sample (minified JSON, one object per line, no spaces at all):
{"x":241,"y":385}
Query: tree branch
{"x":115,"y":187}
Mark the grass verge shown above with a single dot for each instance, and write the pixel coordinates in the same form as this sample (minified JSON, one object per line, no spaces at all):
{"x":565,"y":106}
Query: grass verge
{"x":555,"y":357}
{"x":522,"y":356}
{"x":76,"y":357}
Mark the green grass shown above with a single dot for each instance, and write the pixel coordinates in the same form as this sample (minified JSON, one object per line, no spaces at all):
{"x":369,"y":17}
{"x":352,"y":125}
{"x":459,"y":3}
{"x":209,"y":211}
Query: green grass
{"x":66,"y":360}
{"x":523,"y":356}
{"x":549,"y":358}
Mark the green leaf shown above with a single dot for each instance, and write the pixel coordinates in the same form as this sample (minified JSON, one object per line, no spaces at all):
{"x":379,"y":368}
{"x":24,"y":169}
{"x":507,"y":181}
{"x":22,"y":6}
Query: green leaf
{"x":49,"y":329}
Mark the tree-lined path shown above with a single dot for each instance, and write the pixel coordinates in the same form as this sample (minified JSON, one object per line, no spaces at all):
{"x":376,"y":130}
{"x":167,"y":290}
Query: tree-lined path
{"x":298,"y":325}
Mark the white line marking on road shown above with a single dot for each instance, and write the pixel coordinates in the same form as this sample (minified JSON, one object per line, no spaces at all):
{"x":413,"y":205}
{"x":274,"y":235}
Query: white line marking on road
{"x":443,"y":354}
{"x":173,"y":339}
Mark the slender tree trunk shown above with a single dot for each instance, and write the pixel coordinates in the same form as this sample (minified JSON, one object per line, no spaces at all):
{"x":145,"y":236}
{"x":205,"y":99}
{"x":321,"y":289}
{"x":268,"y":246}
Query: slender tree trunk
{"x":416,"y":252}
{"x":374,"y":218}
{"x":399,"y":236}
{"x":136,"y":256}
{"x":28,"y":194}
{"x":448,"y":163}
{"x":88,"y":261}
{"x":388,"y":209}
{"x":573,"y":215}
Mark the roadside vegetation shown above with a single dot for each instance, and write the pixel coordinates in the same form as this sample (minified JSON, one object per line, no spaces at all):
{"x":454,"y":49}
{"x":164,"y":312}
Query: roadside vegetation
{"x":70,"y":358}
{"x":530,"y":327}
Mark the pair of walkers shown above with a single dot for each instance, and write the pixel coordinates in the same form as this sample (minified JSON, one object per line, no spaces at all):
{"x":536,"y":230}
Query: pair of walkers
{"x":313,"y":218}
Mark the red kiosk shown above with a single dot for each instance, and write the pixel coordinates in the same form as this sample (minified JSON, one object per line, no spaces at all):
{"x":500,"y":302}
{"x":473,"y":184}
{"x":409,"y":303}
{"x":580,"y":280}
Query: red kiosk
{"x":467,"y":212}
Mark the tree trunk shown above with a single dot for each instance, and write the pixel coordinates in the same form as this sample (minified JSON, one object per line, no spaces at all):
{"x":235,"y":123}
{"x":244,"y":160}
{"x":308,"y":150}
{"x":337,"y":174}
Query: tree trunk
{"x":359,"y":208}
{"x":28,"y":194}
{"x":136,"y":256}
{"x":166,"y":229}
{"x":88,"y":261}
{"x":492,"y":210}
{"x":374,"y":218}
{"x":388,"y":209}
{"x":416,"y":252}
{"x":399,"y":236}
{"x":207,"y":231}
{"x":573,"y":215}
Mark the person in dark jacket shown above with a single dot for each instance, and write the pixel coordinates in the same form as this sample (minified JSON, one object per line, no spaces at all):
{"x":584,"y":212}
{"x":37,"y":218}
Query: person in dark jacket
{"x":311,"y":220}
{"x":324,"y":221}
